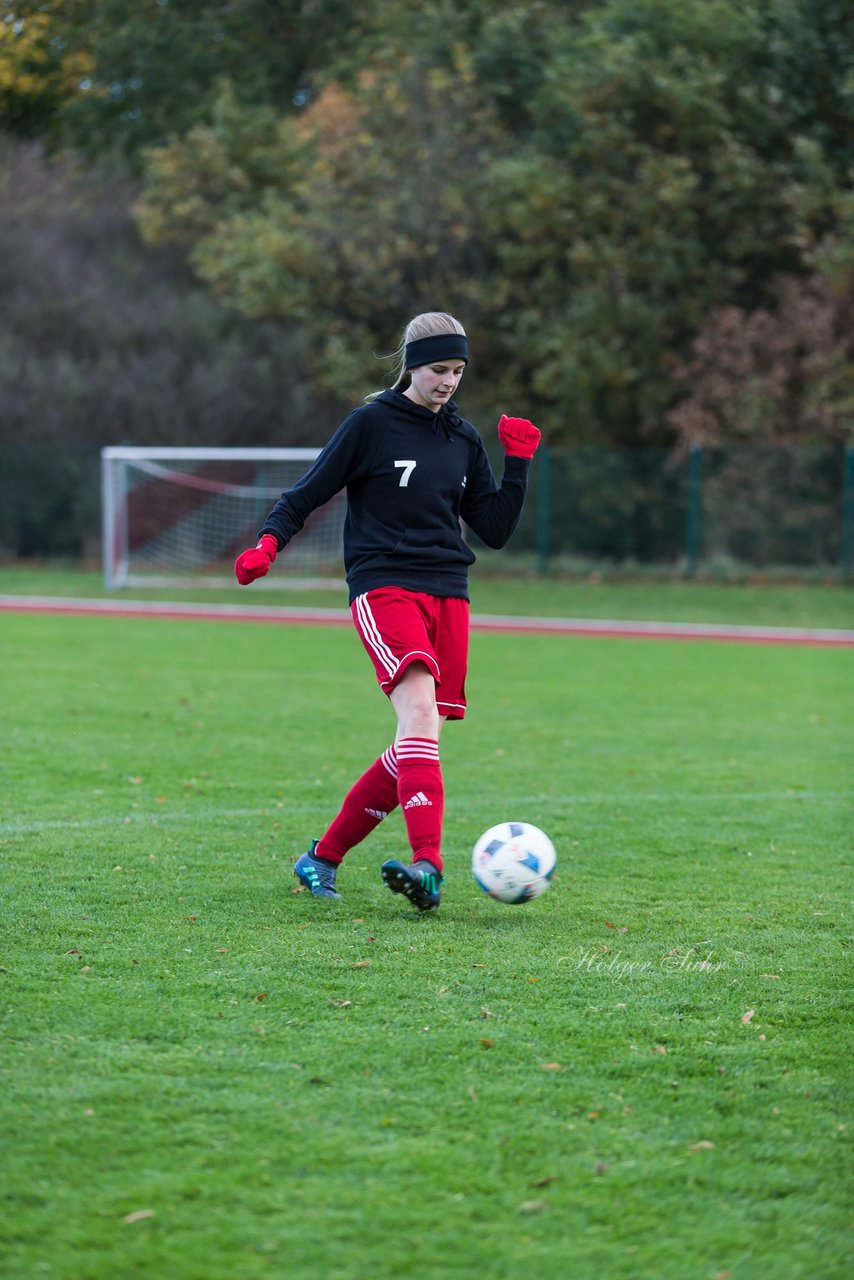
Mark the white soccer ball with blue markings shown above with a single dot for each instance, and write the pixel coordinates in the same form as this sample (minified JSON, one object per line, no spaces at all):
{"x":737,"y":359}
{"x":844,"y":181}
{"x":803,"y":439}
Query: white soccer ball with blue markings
{"x":513,"y":862}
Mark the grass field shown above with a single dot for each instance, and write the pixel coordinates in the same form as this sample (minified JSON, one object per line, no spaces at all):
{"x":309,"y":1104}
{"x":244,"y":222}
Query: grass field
{"x":209,"y":1076}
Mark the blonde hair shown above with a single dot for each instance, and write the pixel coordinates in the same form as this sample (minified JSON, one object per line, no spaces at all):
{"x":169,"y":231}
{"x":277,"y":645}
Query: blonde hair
{"x":429,"y":324}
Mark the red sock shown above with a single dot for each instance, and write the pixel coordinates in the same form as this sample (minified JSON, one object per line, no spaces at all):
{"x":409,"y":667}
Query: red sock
{"x":367,"y":802}
{"x":422,"y":796}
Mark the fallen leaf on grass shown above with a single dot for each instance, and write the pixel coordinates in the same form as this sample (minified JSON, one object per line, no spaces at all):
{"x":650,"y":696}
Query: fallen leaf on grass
{"x":262,"y":995}
{"x":342,"y":1004}
{"x":660,"y":1048}
{"x":533,"y":1206}
{"x":747,"y":1018}
{"x":544,"y":1182}
{"x":702,"y":1145}
{"x":139,"y":1215}
{"x":551,"y":1066}
{"x":487,"y":1044}
{"x":361,"y":964}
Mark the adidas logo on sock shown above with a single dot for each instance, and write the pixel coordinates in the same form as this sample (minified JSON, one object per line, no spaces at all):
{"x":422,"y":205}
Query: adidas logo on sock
{"x":377,"y":813}
{"x":417,"y":801}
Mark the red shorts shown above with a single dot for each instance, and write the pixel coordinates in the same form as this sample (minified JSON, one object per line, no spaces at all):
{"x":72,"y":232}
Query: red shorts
{"x":398,"y":627}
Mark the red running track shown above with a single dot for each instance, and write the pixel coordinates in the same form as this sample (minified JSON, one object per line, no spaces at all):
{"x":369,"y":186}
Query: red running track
{"x":294,"y":616}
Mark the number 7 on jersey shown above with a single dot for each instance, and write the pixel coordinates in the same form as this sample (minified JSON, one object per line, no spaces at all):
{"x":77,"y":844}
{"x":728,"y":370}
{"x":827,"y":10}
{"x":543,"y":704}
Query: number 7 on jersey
{"x":408,"y":465}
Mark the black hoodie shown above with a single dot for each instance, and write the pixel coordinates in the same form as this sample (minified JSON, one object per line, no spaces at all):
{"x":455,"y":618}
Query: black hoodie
{"x":411,"y":476}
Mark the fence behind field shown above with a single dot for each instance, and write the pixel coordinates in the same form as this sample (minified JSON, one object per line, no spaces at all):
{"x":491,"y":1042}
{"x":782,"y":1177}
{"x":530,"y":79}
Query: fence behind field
{"x":756,"y":508}
{"x":751,"y":507}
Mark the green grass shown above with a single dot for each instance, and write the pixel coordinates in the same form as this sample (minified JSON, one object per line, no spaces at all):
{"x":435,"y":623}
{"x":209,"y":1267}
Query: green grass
{"x":763,"y":603}
{"x":645,"y":1073}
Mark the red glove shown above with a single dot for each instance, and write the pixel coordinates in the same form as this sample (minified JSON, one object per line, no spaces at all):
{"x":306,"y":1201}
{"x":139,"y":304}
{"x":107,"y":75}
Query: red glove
{"x":518,"y":436}
{"x":255,"y":562}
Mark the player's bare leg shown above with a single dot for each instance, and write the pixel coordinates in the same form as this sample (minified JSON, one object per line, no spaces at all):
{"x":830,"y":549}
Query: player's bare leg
{"x":420,"y":788}
{"x":414,"y":703}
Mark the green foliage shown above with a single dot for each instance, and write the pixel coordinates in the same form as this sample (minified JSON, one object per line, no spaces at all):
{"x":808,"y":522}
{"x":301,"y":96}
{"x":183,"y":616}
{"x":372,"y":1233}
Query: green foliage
{"x":209,"y":1076}
{"x":327,"y":220}
{"x":585,"y":192}
{"x":40,"y":71}
{"x":591,"y":185}
{"x":155,"y":64}
{"x":673,"y":181}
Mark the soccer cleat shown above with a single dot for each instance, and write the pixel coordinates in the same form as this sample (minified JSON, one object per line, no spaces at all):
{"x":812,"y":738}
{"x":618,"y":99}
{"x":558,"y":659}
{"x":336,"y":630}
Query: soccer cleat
{"x":421,"y":883}
{"x":316,"y":874}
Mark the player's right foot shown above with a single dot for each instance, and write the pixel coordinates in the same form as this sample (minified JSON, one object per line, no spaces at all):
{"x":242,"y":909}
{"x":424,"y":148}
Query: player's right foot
{"x":421,"y":883}
{"x":316,"y":874}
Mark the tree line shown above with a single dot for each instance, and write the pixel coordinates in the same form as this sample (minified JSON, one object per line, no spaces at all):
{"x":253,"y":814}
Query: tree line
{"x":214,"y":218}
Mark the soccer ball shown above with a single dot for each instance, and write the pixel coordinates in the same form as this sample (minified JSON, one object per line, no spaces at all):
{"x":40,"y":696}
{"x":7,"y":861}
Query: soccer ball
{"x":513,"y":862}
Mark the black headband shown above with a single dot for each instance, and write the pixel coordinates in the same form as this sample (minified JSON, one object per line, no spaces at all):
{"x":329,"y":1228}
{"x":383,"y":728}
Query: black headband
{"x":441,"y":346}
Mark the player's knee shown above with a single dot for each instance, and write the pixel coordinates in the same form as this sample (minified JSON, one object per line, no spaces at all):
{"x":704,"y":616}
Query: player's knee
{"x":420,"y":715}
{"x":414,"y":701}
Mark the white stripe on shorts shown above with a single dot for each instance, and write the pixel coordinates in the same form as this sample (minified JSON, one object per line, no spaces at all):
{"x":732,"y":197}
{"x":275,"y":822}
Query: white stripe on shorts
{"x":373,"y":636}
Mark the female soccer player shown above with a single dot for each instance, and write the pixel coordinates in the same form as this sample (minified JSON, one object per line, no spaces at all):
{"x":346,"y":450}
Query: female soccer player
{"x":413,"y":470}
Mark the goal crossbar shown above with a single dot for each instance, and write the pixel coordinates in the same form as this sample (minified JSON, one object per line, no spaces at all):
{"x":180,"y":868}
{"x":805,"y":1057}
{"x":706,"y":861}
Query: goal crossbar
{"x":176,"y":516}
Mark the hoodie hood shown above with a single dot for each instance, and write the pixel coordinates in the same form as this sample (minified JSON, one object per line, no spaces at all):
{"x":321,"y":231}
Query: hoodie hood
{"x":448,"y":418}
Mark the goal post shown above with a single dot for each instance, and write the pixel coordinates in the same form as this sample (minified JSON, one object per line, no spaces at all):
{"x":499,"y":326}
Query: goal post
{"x":176,"y":516}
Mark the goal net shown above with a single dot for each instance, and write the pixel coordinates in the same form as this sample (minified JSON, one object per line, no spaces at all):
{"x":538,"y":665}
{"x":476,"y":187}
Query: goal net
{"x":175,"y":516}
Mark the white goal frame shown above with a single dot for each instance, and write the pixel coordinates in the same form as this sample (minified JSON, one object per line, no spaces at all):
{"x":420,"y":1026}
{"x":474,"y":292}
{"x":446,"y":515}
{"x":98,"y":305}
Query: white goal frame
{"x":124,"y":470}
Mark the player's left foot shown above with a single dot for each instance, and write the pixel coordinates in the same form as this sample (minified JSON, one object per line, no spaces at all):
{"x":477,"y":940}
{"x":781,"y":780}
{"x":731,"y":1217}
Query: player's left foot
{"x":421,"y":883}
